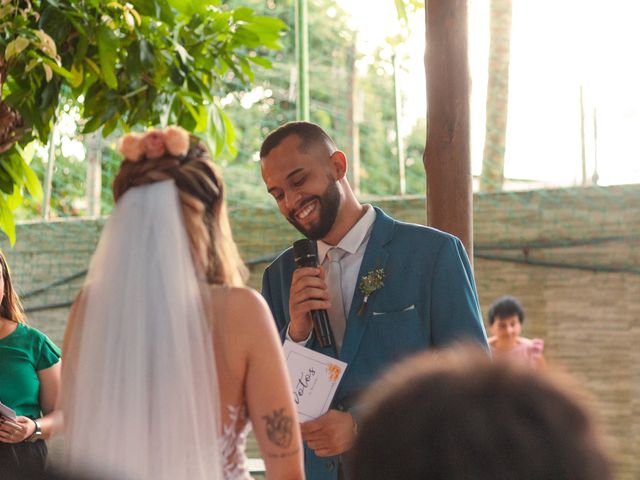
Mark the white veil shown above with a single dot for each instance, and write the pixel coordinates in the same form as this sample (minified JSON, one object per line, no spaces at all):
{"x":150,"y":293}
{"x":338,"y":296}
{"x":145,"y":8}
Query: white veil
{"x":142,"y":401}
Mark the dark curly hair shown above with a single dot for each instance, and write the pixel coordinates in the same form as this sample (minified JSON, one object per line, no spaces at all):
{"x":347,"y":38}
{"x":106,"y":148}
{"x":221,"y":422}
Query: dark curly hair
{"x":505,"y":307}
{"x":455,"y":415}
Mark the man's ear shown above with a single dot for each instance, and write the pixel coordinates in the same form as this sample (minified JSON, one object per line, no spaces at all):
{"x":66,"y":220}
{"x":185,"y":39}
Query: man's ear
{"x":339,"y":163}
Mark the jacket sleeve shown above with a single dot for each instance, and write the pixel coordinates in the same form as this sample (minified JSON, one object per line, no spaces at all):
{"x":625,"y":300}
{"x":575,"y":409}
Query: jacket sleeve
{"x":282,"y":323}
{"x":455,"y":310}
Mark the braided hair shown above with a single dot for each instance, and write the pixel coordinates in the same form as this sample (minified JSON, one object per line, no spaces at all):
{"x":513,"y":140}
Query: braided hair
{"x":204,"y":211}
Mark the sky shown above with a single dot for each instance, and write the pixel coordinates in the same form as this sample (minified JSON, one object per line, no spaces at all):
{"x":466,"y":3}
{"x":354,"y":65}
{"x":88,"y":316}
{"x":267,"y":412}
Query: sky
{"x":557,"y":46}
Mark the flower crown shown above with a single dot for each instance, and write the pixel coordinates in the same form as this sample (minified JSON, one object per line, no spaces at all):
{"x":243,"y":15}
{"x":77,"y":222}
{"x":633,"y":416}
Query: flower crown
{"x":154,"y":143}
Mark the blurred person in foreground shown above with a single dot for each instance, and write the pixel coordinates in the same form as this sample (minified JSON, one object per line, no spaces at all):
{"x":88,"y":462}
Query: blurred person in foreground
{"x":29,"y":386}
{"x":506,"y":317}
{"x":171,"y":359}
{"x":455,"y":415}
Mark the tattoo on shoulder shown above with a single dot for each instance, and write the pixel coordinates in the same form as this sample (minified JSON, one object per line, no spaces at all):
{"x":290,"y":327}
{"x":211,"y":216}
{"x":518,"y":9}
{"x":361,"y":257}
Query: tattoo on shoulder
{"x":279,"y":428}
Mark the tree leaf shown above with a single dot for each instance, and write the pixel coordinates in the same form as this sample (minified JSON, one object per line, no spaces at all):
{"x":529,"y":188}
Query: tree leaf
{"x":230,"y":136}
{"x":93,"y":65}
{"x":15,"y":199}
{"x":30,"y":178}
{"x":92,"y":125}
{"x":242,"y":14}
{"x":78,"y":75}
{"x":48,"y":73}
{"x":401,"y":10}
{"x":56,"y":23}
{"x":34,"y":62}
{"x":7,"y":223}
{"x":262,"y":61}
{"x":47,"y":45}
{"x":216,"y":130}
{"x":107,"y":53}
{"x":16,"y":46}
{"x":6,"y":184}
{"x":57,"y":68}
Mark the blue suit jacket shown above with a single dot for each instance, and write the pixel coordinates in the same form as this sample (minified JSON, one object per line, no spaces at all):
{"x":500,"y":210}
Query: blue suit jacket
{"x":428,"y":300}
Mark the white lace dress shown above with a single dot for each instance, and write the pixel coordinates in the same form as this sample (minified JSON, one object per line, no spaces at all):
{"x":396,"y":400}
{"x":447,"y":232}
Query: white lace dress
{"x":233,"y":444}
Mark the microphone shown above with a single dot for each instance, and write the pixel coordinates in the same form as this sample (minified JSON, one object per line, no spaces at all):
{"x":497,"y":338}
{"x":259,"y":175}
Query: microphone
{"x":305,"y":253}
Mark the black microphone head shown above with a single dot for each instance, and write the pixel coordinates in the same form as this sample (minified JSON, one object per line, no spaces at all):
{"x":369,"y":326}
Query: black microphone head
{"x":305,"y":253}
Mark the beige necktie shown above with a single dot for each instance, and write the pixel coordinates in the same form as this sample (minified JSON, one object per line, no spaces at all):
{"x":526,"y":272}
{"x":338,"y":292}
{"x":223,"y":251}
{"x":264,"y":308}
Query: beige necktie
{"x":337,"y":316}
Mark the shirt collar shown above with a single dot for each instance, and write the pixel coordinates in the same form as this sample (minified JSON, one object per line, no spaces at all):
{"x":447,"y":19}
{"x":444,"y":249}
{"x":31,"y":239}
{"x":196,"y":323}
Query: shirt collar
{"x":354,"y":238}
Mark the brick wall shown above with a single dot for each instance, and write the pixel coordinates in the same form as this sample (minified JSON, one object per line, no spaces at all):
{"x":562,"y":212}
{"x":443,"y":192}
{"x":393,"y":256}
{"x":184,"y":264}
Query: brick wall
{"x":572,"y":256}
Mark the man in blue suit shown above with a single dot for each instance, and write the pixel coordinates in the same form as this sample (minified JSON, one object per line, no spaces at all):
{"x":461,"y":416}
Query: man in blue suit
{"x":421,"y":293}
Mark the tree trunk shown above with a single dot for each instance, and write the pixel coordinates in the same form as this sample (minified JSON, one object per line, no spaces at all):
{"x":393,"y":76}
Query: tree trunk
{"x":11,"y":124}
{"x":447,"y":154}
{"x":492,"y":177}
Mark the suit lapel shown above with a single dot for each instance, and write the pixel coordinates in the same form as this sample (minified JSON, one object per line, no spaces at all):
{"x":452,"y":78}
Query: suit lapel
{"x":375,"y":256}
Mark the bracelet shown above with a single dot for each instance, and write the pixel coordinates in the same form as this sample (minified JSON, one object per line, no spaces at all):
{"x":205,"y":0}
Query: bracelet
{"x":37,"y":432}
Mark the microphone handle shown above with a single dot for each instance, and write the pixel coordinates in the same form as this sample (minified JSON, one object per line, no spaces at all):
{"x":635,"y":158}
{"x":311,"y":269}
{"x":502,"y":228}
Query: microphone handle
{"x":306,"y":255}
{"x":322,"y":328}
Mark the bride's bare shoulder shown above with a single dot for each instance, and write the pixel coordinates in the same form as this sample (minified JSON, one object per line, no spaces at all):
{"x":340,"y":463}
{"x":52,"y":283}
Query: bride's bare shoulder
{"x":243,"y":306}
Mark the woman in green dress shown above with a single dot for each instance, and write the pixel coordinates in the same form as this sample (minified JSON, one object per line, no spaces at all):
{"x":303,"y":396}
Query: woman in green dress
{"x":29,"y":385}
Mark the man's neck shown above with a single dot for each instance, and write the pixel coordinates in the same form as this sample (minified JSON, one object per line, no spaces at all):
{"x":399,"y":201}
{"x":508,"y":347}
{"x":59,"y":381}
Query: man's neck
{"x":348,"y":215}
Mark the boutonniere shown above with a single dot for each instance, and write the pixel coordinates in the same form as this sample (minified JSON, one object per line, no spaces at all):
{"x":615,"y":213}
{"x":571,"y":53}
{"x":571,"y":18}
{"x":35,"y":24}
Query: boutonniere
{"x":372,"y":281}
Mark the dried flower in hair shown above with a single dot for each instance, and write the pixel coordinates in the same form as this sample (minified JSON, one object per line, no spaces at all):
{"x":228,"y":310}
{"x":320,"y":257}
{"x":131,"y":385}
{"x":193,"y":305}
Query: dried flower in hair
{"x":154,"y":146}
{"x":131,"y":147}
{"x":176,"y":139}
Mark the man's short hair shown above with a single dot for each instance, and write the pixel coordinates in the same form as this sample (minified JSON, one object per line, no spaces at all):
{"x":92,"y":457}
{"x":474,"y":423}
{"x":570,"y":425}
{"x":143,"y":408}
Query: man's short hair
{"x":310,"y":134}
{"x":455,"y":415}
{"x":505,"y":307}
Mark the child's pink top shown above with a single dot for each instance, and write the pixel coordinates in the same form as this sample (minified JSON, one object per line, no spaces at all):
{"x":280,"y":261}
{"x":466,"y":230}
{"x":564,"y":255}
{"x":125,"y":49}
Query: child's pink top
{"x":527,"y":351}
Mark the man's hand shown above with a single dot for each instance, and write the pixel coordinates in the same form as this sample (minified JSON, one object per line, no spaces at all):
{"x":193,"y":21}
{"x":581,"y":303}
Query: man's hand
{"x":331,"y":434}
{"x":308,"y":292}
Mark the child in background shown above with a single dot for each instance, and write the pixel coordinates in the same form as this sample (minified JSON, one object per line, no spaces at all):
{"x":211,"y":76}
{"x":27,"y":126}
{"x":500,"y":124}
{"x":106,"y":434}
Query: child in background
{"x":506,"y":316}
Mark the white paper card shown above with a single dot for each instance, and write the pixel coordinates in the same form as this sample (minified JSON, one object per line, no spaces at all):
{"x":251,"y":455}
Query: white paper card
{"x":314,"y":379}
{"x":7,"y":412}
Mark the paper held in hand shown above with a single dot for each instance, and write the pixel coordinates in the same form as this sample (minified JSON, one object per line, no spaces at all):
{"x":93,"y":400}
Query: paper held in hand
{"x":314,"y":379}
{"x":7,"y":412}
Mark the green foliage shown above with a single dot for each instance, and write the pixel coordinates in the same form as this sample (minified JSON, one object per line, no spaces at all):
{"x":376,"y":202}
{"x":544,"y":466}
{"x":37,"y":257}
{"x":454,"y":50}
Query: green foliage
{"x":405,"y":6}
{"x":378,"y":152}
{"x":143,"y":62}
{"x":330,"y":44}
{"x":414,"y":147}
{"x":332,"y":56}
{"x":15,"y":175}
{"x":272,"y":102}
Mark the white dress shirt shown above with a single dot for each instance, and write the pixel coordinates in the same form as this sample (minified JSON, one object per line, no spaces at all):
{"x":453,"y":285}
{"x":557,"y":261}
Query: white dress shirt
{"x":354,"y":243}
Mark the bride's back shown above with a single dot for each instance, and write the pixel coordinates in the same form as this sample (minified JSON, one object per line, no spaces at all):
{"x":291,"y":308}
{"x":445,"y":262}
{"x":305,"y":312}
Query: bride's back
{"x":253,"y":384}
{"x":142,"y":324}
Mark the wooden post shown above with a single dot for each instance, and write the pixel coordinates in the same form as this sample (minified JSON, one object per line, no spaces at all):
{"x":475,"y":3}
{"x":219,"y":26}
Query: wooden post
{"x":447,"y":157}
{"x":354,"y":119}
{"x":94,"y":174}
{"x":582,"y":140}
{"x":492,"y":178}
{"x":398,"y":114}
{"x":595,"y":177}
{"x":302,"y":58}
{"x":48,"y":179}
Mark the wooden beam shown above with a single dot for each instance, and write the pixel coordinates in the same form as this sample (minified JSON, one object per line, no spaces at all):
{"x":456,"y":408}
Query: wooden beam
{"x":447,"y":157}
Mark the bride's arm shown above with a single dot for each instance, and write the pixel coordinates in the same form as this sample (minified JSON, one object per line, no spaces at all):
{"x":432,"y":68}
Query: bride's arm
{"x":268,"y":392}
{"x":70,"y":344}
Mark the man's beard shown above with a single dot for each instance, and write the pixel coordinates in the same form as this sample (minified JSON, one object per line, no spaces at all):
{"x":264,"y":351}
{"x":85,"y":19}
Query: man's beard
{"x":328,"y":205}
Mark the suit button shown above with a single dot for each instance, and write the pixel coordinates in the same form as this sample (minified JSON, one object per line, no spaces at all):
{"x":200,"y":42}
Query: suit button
{"x":329,"y":465}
